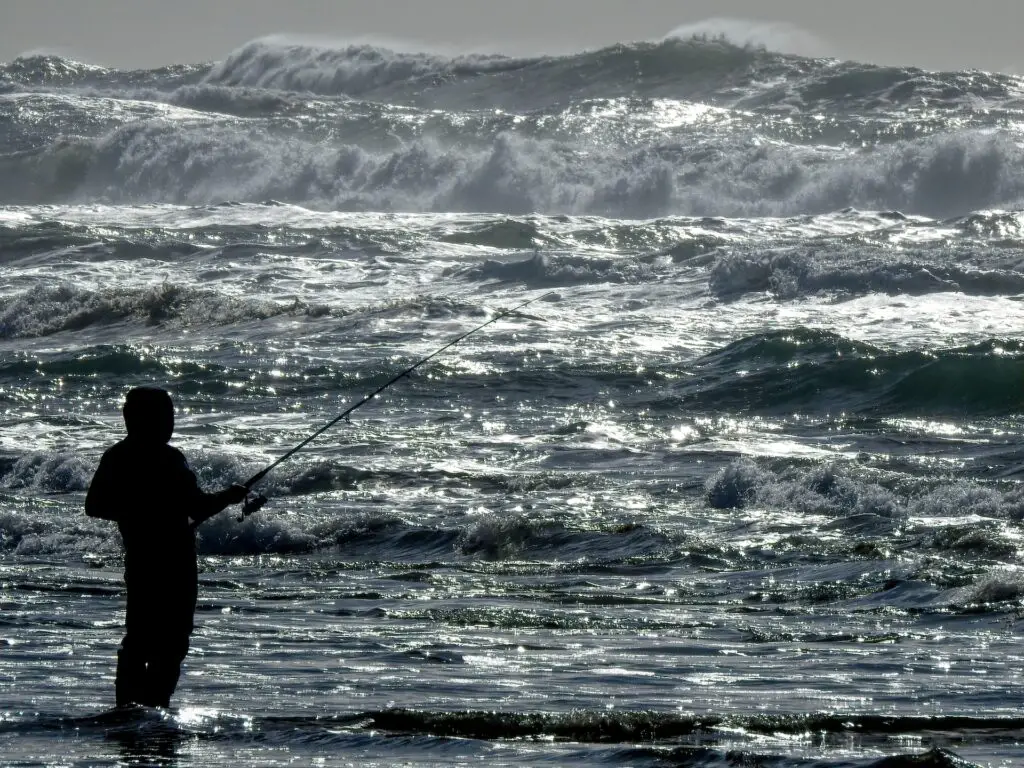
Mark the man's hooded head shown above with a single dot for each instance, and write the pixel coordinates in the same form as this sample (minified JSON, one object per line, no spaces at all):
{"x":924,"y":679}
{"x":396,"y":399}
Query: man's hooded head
{"x":149,"y":415}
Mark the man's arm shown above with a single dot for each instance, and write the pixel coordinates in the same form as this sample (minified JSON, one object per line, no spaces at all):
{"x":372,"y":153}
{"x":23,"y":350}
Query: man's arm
{"x":199,"y":505}
{"x":212,"y":503}
{"x":101,"y":501}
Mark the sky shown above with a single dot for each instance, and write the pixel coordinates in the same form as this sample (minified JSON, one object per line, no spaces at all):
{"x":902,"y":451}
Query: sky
{"x":933,"y":34}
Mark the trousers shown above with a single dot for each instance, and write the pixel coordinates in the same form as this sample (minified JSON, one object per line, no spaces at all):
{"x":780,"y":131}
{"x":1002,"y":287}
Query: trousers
{"x":158,"y":628}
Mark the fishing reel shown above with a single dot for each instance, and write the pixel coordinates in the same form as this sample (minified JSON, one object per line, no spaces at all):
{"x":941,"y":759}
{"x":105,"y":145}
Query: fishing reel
{"x":253,"y":503}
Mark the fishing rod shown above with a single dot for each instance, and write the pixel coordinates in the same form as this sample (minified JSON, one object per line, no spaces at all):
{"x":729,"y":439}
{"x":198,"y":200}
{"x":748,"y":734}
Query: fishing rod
{"x":254,"y":502}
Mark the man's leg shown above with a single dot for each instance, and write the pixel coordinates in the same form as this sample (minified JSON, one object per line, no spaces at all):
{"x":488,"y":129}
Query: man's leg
{"x":164,"y":669}
{"x":169,"y":612}
{"x":130,"y":682}
{"x":131,"y":674}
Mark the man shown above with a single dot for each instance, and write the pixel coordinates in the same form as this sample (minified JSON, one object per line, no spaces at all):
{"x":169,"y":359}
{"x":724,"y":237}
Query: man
{"x":147,"y":488}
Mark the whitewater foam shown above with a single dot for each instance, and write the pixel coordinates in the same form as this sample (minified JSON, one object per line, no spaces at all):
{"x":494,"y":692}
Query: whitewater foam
{"x":202,"y":163}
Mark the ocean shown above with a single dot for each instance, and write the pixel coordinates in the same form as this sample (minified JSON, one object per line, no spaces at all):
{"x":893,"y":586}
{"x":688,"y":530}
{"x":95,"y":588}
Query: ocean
{"x":741,"y":486}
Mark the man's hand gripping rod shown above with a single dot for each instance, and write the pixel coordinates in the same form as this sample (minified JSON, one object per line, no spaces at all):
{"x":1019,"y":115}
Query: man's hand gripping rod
{"x":255,"y":501}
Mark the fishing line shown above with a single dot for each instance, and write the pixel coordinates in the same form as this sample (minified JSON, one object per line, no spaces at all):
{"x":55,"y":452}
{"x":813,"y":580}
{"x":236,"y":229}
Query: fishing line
{"x":255,"y":501}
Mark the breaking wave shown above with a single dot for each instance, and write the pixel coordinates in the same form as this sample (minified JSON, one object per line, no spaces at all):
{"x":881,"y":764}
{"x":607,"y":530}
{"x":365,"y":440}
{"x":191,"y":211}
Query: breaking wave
{"x":639,"y":130}
{"x":201,"y":164}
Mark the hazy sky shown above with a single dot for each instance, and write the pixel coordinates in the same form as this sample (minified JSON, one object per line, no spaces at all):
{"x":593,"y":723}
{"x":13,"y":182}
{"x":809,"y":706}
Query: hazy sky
{"x":936,"y":34}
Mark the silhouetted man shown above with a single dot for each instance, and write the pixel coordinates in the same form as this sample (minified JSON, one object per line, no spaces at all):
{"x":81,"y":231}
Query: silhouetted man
{"x":147,"y":488}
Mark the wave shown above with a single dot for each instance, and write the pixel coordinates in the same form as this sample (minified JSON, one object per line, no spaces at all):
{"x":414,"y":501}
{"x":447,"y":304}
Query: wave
{"x":653,"y":726}
{"x":200,"y":164}
{"x":60,"y":472}
{"x":828,"y":490}
{"x":790,"y":273}
{"x":864,"y":506}
{"x":388,"y":537}
{"x":639,"y":130}
{"x":502,"y":166}
{"x":687,"y":64}
{"x":680,"y":68}
{"x":546,"y":270}
{"x":631,"y":737}
{"x":819,"y":371}
{"x":354,"y":531}
{"x":1000,"y":586}
{"x":979,"y":254}
{"x":249,"y":235}
{"x":356,"y":70}
{"x":43,"y":72}
{"x":50,"y":309}
{"x":37,"y":530}
{"x":810,"y":372}
{"x":38,"y":241}
{"x":360,"y":534}
{"x":874,"y":514}
{"x":48,"y":70}
{"x":853,"y":502}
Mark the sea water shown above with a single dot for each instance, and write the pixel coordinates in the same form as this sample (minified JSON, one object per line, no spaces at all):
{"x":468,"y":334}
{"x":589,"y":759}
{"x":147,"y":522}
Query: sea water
{"x":741,"y":485}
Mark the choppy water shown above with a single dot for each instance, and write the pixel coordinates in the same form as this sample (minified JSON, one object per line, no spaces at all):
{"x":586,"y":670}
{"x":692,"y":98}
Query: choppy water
{"x":745,"y":488}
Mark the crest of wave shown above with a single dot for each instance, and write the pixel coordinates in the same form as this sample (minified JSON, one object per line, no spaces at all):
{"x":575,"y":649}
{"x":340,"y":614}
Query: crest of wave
{"x":323,"y":66}
{"x":778,"y":36}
